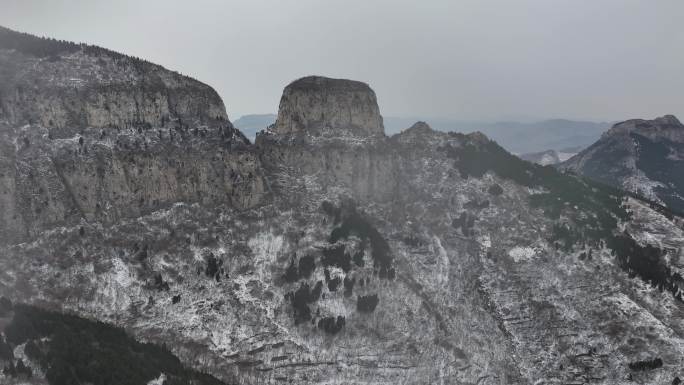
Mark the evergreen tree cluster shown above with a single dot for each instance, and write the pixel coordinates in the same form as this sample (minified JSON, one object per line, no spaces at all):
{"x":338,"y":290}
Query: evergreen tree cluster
{"x":333,"y":283}
{"x":593,"y":209}
{"x":214,"y":267}
{"x":336,"y":256}
{"x":291,"y":273}
{"x":301,"y":299}
{"x":305,"y":267}
{"x":42,"y":47}
{"x":566,"y":194}
{"x":645,"y":262}
{"x":495,"y":190}
{"x":349,"y":286}
{"x":18,"y":370}
{"x":33,"y":45}
{"x":5,"y":307}
{"x":6,"y":351}
{"x":367,"y":304}
{"x":78,"y":351}
{"x":331,"y":325}
{"x":646,"y":365}
{"x":652,"y":160}
{"x":351,"y":223}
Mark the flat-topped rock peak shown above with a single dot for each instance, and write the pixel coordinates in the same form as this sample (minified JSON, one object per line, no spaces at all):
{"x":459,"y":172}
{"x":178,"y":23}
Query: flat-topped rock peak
{"x":666,"y":127}
{"x":317,"y":105}
{"x":321,"y":83}
{"x":66,"y":87}
{"x":643,"y":156}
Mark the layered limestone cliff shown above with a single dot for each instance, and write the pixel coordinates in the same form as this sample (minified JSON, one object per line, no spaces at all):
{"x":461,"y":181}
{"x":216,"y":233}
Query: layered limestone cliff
{"x":318,"y":104}
{"x":66,"y":87}
{"x":89,"y":134}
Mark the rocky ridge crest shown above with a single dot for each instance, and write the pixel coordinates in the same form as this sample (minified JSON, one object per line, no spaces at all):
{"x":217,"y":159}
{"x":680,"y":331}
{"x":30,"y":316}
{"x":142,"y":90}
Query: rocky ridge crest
{"x":87,"y":134}
{"x":66,"y":87}
{"x":645,"y":157}
{"x":665,"y":127}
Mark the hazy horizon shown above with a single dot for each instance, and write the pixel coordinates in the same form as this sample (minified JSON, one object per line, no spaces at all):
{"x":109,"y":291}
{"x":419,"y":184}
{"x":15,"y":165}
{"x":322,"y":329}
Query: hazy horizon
{"x":472,"y":61}
{"x":415,"y":118}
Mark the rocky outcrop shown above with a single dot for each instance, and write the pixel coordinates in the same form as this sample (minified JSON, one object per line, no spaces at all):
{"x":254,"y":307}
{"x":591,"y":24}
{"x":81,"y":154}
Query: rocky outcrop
{"x":318,"y":105}
{"x":69,"y":87}
{"x":645,"y":157}
{"x":89,"y":134}
{"x":666,"y":127}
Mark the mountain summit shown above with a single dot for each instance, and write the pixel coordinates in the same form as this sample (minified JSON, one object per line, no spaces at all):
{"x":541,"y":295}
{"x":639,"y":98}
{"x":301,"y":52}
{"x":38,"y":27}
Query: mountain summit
{"x":66,"y":87}
{"x":317,"y":104}
{"x":642,"y":156}
{"x":666,"y":127}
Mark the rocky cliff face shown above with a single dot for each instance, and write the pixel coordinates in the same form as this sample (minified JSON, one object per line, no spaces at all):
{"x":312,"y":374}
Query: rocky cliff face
{"x":425,"y":257}
{"x":666,"y":127}
{"x":317,"y":104}
{"x":642,"y":156}
{"x":88,"y":134}
{"x":66,"y":87}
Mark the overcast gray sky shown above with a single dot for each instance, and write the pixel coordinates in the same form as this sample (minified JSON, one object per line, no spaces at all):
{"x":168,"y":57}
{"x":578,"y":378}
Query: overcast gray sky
{"x":469,"y":60}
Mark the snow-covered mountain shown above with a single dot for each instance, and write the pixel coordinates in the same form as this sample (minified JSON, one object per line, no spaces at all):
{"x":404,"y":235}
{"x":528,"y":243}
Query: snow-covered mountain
{"x":324,"y":253}
{"x":548,"y":157}
{"x":642,"y":156}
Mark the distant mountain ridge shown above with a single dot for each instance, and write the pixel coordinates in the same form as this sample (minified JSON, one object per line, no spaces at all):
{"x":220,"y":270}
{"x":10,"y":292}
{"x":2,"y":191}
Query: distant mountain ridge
{"x":645,"y":157}
{"x":548,"y":157}
{"x":251,"y":124}
{"x":517,"y":137}
{"x":521,"y":137}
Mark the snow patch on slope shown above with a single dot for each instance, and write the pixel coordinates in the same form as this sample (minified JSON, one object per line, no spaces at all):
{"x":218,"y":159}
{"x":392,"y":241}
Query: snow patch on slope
{"x":642,"y":185}
{"x":522,"y":254}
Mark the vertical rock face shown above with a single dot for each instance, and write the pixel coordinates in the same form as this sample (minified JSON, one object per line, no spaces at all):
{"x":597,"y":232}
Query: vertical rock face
{"x":335,"y":114}
{"x":90,"y":134}
{"x":318,"y":104}
{"x":66,"y":87}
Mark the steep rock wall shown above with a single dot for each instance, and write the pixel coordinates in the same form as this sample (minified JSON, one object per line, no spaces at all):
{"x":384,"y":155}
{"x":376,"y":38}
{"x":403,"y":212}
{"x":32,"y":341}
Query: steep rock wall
{"x":317,"y":104}
{"x":74,"y":90}
{"x":87,"y":134}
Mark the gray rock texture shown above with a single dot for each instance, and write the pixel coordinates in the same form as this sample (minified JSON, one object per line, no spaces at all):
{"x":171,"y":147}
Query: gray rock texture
{"x":328,"y":253}
{"x":318,"y":104}
{"x":665,"y":127}
{"x":642,"y":156}
{"x":97,"y":89}
{"x":90,"y":134}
